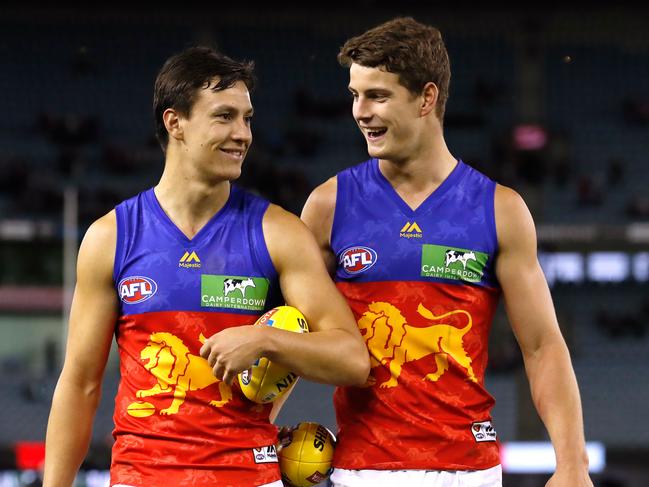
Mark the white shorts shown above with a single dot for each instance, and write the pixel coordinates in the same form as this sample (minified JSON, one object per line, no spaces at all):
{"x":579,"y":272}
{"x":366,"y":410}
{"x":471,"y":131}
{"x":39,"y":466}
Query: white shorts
{"x":491,"y":477}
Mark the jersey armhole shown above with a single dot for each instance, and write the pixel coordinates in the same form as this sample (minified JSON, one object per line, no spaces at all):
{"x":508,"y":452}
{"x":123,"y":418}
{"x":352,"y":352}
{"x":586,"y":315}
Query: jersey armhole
{"x":492,"y":230}
{"x":336,"y":223}
{"x":258,"y":241}
{"x":121,"y":240}
{"x":491,"y":217}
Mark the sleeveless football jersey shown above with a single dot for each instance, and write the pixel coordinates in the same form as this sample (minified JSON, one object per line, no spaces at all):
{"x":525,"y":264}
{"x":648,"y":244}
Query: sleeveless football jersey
{"x":422,"y":286}
{"x":175,"y":422}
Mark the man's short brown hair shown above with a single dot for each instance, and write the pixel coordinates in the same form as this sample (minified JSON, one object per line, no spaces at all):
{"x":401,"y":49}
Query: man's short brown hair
{"x":185,"y":74}
{"x":403,"y":46}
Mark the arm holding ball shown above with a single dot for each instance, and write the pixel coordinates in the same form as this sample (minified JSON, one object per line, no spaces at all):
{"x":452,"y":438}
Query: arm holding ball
{"x":333,"y":352}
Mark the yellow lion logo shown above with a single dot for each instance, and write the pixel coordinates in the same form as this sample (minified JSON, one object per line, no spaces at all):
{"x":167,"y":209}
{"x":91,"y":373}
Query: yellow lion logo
{"x":390,"y":339}
{"x":178,"y":371}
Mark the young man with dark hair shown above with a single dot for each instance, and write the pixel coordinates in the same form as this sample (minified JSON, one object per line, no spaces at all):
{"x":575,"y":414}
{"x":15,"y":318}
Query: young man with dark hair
{"x":194,"y":257}
{"x":422,"y":245}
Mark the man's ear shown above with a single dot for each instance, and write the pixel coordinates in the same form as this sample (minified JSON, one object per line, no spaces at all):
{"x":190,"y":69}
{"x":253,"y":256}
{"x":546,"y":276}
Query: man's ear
{"x":429,"y":96}
{"x":171,"y":119}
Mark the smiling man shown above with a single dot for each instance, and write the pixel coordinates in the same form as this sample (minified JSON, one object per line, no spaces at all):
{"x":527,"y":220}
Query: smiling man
{"x":179,"y":273}
{"x":422,"y":245}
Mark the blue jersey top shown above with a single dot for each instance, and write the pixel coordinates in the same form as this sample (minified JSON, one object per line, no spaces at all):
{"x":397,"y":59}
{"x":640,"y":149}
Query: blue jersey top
{"x":458,"y":216}
{"x":186,"y":273}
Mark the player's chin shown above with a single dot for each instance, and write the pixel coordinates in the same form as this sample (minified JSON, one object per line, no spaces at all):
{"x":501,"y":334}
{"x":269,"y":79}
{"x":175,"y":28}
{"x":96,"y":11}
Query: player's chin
{"x":233,"y":175}
{"x":377,"y":152}
{"x":226,"y":174}
{"x":232,"y":171}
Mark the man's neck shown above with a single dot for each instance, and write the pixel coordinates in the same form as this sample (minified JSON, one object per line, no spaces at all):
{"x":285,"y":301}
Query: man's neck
{"x":417,"y":177}
{"x":190,"y":203}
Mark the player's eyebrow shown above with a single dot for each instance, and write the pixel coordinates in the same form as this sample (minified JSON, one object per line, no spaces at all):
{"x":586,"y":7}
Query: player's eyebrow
{"x":378,"y":91}
{"x":226,"y":107}
{"x":371,"y":91}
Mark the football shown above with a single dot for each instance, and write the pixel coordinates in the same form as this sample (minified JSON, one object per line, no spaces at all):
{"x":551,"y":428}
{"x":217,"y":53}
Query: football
{"x":266,"y":381}
{"x":305,"y":454}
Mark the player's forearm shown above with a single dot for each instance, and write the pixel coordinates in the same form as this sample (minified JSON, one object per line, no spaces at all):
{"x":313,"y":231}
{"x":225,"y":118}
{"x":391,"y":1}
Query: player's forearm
{"x":68,"y":432}
{"x":330,"y":356}
{"x":556,"y":397}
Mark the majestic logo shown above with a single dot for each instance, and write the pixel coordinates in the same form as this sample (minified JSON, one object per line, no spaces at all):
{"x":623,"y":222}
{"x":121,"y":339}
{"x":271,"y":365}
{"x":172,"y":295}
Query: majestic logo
{"x":136,"y":289}
{"x":231,"y":285}
{"x":265,"y":454}
{"x":238,"y":292}
{"x":411,"y":230}
{"x":452,"y":263}
{"x":393,"y":342}
{"x":189,"y":260}
{"x":483,"y":431}
{"x":177,"y":372}
{"x":355,"y":260}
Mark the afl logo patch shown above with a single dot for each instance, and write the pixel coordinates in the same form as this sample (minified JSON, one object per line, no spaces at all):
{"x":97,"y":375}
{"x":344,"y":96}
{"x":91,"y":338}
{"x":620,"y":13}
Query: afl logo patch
{"x":136,"y":289}
{"x":355,"y":260}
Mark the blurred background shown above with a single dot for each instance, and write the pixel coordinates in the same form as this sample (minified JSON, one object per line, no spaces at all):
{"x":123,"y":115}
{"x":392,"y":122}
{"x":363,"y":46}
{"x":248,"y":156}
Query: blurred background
{"x":553,"y":102}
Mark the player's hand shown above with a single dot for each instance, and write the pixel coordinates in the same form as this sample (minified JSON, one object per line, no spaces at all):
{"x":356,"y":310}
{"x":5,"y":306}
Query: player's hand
{"x":568,"y":477}
{"x":232,"y":350}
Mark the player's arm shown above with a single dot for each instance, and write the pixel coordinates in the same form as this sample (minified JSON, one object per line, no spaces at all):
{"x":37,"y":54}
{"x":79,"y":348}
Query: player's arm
{"x":547,"y":361}
{"x":91,"y":326}
{"x":333,"y":352}
{"x":318,"y":215}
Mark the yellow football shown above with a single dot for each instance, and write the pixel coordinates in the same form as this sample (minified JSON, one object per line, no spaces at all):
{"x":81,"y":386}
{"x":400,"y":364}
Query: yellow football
{"x":266,"y":381}
{"x":305,"y":455}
